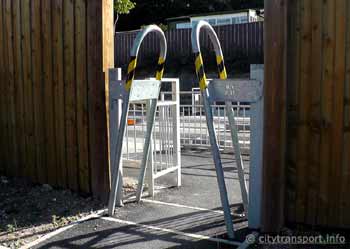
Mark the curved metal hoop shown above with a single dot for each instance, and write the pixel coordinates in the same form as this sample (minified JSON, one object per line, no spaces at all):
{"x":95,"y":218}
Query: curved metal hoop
{"x":135,"y":50}
{"x":197,"y":51}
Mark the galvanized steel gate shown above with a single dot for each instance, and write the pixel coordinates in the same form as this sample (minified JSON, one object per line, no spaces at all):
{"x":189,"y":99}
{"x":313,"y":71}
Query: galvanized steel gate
{"x":227,"y":91}
{"x":165,"y":150}
{"x":135,"y":91}
{"x":223,"y":90}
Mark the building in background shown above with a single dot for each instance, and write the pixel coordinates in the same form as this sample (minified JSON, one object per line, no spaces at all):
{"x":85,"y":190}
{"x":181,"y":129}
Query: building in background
{"x":215,"y":18}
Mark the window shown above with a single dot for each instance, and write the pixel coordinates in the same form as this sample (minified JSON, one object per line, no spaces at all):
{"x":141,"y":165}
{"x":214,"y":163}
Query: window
{"x":235,"y":20}
{"x":224,"y":21}
{"x":243,"y":19}
{"x":185,"y":25}
{"x":212,"y":21}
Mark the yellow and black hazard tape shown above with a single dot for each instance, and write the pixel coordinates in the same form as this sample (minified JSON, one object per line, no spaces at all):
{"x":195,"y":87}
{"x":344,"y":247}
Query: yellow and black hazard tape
{"x":200,"y":71}
{"x":221,"y":67}
{"x":131,"y":72}
{"x":160,"y":68}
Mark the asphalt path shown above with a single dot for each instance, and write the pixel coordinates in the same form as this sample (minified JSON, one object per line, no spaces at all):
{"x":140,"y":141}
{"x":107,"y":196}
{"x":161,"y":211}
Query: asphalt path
{"x":170,"y":218}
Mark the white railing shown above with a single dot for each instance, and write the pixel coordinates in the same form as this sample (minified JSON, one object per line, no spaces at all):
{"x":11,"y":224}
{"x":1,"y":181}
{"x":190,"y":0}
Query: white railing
{"x":193,"y":127}
{"x":165,"y":150}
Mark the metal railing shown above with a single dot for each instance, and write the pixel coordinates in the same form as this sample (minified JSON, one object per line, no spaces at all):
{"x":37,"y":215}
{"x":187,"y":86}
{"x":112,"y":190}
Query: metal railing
{"x":162,"y":137}
{"x":165,"y":149}
{"x":193,"y":127}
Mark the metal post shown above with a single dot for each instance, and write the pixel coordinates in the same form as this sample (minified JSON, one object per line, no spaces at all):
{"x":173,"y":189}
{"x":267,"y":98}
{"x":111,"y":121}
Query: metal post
{"x":218,"y":165}
{"x":176,"y":128}
{"x":256,"y":153}
{"x":150,"y":122}
{"x":118,"y":156}
{"x":115,"y":110}
{"x":119,"y":200}
{"x":238,"y":155}
{"x":150,"y":162}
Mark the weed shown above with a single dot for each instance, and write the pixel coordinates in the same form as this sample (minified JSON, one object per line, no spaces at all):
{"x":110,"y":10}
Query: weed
{"x":12,"y":227}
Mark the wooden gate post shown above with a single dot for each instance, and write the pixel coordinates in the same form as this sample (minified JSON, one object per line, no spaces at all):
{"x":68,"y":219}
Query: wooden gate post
{"x":274,"y":115}
{"x":100,"y":58}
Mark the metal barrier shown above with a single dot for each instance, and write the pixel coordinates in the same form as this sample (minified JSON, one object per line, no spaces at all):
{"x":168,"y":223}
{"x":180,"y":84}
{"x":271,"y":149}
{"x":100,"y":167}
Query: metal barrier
{"x":194,"y":131}
{"x":165,"y":154}
{"x":228,"y":91}
{"x":192,"y":125}
{"x":128,"y":92}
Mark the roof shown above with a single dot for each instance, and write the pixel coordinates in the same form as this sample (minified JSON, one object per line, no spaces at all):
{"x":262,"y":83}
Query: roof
{"x":182,"y":18}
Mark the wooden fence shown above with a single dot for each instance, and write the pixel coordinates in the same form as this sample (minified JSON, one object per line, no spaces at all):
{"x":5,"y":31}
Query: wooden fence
{"x":307,"y":100}
{"x":318,"y":162}
{"x":53,"y":126}
{"x":236,"y":40}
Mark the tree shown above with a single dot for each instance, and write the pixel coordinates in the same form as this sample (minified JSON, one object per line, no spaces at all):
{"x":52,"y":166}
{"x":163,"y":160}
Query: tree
{"x":123,"y":7}
{"x":157,"y":11}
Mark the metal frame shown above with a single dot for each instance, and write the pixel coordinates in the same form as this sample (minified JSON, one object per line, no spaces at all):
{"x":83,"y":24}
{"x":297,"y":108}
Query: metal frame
{"x":164,"y":105}
{"x":193,"y":128}
{"x":256,"y":153}
{"x":165,"y":149}
{"x":135,"y":91}
{"x":227,"y":91}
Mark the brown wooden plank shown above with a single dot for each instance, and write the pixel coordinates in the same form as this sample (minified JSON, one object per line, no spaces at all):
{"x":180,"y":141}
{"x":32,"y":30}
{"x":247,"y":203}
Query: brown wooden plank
{"x":97,"y":102}
{"x":3,"y":153}
{"x":292,"y":93}
{"x":338,"y":112}
{"x":108,"y":57}
{"x":5,"y":89}
{"x":11,"y":91}
{"x":8,"y":147}
{"x":273,"y":188}
{"x":304,"y":110}
{"x":30,"y":168}
{"x":58,"y":89}
{"x":315,"y":113}
{"x":50,"y":141}
{"x":345,"y":217}
{"x":70,"y":93}
{"x":40,"y":148}
{"x":2,"y":133}
{"x":345,"y":200}
{"x":328,"y":45}
{"x":18,"y":78}
{"x":82,"y":103}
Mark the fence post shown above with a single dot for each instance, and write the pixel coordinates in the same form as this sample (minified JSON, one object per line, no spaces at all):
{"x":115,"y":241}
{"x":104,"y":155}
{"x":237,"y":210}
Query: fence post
{"x":115,"y":111}
{"x":175,"y":89}
{"x":275,"y":90}
{"x":256,"y":153}
{"x":150,"y":162}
